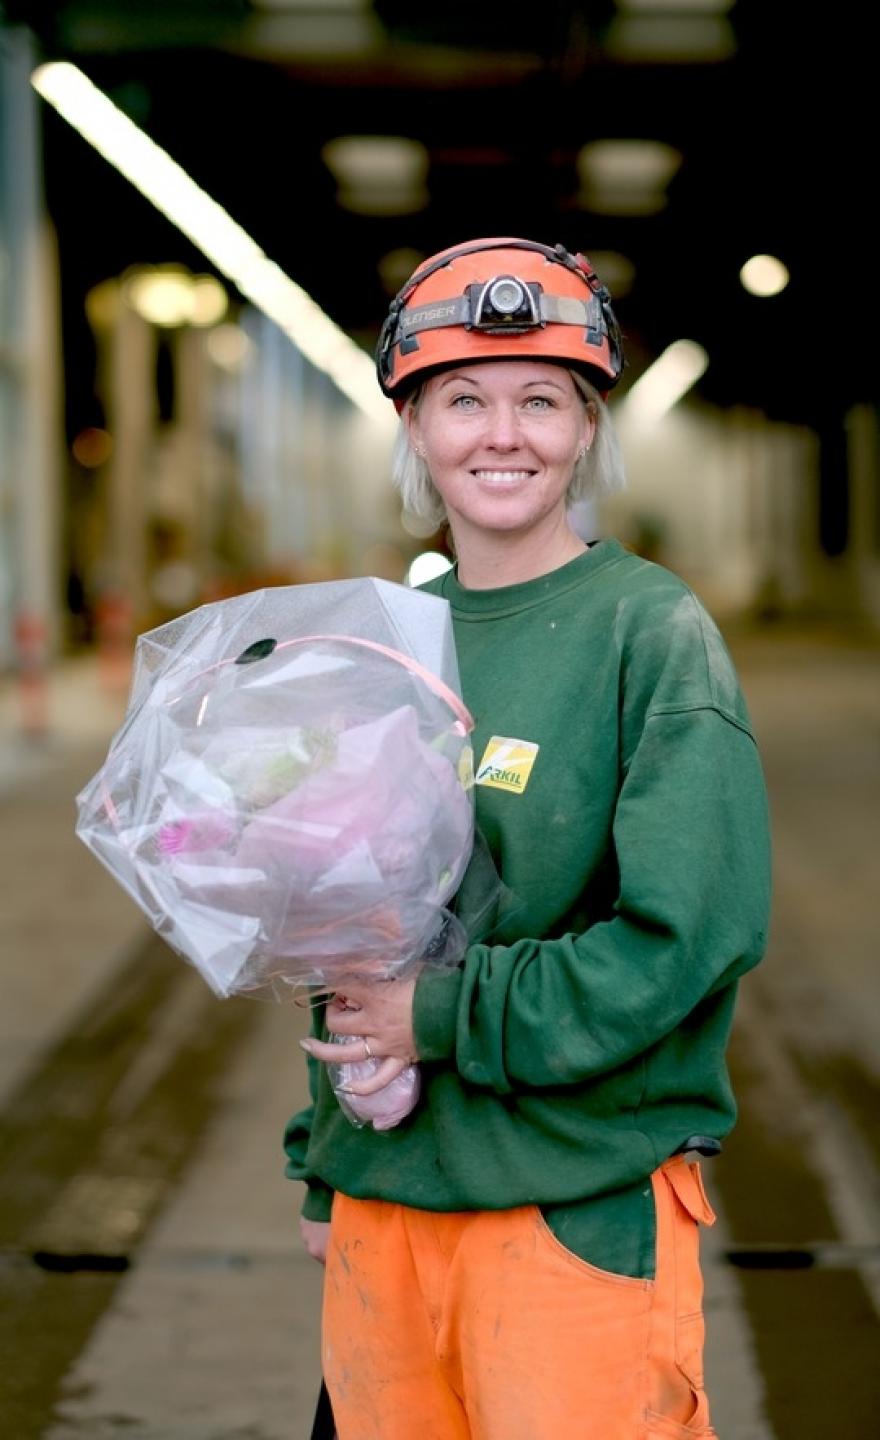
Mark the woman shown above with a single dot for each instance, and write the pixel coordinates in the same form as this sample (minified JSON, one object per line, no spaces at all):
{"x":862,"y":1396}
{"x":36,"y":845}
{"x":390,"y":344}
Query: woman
{"x":519,"y":1259}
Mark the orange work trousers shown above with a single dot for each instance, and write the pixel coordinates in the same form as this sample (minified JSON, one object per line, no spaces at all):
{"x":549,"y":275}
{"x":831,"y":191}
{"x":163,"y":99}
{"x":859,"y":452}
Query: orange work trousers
{"x":481,"y":1326}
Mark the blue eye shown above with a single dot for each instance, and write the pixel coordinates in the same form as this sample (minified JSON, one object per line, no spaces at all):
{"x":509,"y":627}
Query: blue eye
{"x":539,"y":402}
{"x":465,"y":402}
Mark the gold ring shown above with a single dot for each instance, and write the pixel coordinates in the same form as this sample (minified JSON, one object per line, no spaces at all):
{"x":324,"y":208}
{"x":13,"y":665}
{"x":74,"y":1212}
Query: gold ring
{"x":370,"y":1055}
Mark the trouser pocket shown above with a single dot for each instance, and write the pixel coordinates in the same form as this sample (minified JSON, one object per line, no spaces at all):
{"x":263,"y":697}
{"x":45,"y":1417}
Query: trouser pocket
{"x":660,"y":1427}
{"x":677,"y":1404}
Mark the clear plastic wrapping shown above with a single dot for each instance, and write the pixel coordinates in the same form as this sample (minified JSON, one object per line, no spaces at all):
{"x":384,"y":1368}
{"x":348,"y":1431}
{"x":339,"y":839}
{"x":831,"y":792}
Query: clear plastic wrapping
{"x":386,"y":1107}
{"x":289,"y":797}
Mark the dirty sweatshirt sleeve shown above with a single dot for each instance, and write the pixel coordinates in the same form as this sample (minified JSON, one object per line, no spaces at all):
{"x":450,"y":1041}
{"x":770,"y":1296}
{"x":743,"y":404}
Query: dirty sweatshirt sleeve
{"x":690,"y":835}
{"x":319,"y":1196}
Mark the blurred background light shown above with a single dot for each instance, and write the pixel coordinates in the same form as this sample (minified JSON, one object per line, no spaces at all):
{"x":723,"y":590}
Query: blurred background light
{"x":764,"y":275}
{"x":209,"y":301}
{"x":102,"y":304}
{"x":626,"y":177}
{"x":417,"y":527}
{"x":236,"y":255}
{"x":427,"y":566}
{"x":168,"y":295}
{"x":673,"y":7}
{"x":396,"y":266}
{"x":614,"y":270}
{"x":681,"y":31}
{"x":333,"y":8}
{"x":378,"y":174}
{"x":663,"y":383}
{"x":160,"y":297}
{"x":383,"y":560}
{"x":328,"y":28}
{"x":92,"y":447}
{"x":229,"y":347}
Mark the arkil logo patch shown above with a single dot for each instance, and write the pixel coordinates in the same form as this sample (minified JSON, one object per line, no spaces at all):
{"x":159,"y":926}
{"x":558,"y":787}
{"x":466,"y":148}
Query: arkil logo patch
{"x":507,"y":764}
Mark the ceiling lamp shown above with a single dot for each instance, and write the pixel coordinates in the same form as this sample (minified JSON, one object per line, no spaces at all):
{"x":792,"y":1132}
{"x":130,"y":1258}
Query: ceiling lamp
{"x":378,"y":174}
{"x":333,"y":8}
{"x":668,"y":8}
{"x":170,"y":296}
{"x":162,"y":297}
{"x":293,"y":29}
{"x":764,"y":275}
{"x":626,"y":177}
{"x":671,"y":31}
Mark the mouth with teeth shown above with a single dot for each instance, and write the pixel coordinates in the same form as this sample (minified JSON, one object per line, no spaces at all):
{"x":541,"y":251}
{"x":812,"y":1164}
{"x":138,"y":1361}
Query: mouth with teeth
{"x":502,"y":477}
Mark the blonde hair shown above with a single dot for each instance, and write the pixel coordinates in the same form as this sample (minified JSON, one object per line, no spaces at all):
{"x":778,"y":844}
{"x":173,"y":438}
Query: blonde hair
{"x":599,"y":471}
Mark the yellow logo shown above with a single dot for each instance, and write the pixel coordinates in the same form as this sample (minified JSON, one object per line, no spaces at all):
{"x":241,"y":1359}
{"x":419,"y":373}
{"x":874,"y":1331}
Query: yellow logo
{"x":507,"y":764}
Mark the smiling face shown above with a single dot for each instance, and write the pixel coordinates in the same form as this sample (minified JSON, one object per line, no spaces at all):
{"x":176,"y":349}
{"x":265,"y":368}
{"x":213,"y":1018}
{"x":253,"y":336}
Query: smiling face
{"x":500,"y":440}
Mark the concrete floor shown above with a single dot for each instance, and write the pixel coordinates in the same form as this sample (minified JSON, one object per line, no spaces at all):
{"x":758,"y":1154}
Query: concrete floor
{"x":152,"y":1286}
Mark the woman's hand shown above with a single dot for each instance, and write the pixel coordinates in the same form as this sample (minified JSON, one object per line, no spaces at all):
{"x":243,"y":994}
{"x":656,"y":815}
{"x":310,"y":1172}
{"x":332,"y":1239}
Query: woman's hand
{"x":315,"y":1235}
{"x":380,"y":1012}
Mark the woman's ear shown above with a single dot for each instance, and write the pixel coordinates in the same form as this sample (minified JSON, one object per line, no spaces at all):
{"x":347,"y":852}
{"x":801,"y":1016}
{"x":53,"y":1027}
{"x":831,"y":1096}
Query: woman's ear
{"x":410,"y":421}
{"x":590,"y":426}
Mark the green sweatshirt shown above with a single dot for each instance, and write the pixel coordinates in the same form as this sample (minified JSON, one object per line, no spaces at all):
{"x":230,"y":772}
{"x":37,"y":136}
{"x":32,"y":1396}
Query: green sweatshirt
{"x":620,"y":791}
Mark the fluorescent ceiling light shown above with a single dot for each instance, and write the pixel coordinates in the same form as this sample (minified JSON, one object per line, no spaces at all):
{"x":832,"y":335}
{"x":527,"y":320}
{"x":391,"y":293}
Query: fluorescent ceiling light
{"x":626,"y":177}
{"x":764,"y":275}
{"x":235,"y":254}
{"x":663,"y":383}
{"x":378,"y":174}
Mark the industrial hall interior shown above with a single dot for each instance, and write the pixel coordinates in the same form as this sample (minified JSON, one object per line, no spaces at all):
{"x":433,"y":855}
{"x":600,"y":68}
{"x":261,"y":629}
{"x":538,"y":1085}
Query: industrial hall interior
{"x":207,"y":210}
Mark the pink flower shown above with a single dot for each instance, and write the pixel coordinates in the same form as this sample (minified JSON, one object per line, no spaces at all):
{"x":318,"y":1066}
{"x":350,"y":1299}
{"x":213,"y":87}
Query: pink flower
{"x":206,"y":831}
{"x":355,"y":860}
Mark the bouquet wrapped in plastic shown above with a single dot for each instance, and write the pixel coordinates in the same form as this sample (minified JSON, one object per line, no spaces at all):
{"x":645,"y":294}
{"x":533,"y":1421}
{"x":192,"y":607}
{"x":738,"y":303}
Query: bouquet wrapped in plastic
{"x":289,"y":797}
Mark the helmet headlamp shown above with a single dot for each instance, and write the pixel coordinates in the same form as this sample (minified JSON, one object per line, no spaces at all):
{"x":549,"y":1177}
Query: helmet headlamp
{"x":504,"y":303}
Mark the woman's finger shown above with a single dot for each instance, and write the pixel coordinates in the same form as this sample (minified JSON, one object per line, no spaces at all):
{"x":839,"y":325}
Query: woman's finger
{"x":334,"y":1054}
{"x":388,"y":1070}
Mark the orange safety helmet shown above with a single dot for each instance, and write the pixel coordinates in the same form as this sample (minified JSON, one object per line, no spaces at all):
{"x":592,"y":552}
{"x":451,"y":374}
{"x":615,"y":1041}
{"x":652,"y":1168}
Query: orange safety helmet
{"x":499,"y":299}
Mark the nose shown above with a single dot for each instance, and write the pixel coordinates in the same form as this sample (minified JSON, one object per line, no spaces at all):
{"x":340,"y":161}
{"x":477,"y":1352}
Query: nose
{"x":503,"y":428}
